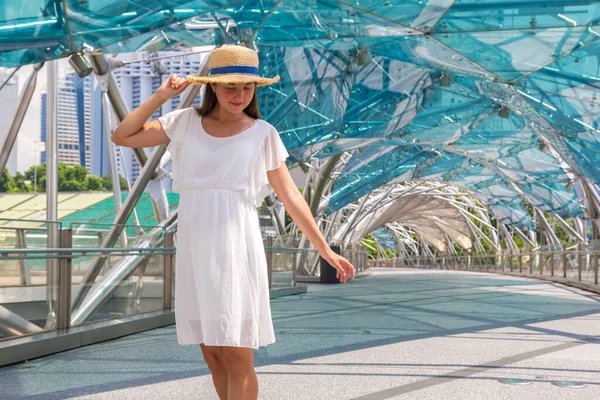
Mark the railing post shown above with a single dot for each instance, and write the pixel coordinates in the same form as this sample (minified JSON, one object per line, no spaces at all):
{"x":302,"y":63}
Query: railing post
{"x":168,"y":264}
{"x":551,"y":261}
{"x":294,"y":262}
{"x":531,"y":260}
{"x":595,"y":265}
{"x":521,"y":261}
{"x":21,"y":243}
{"x":270,"y":259}
{"x":510,"y":259}
{"x":580,"y":260}
{"x":565,"y":260}
{"x":64,"y":280}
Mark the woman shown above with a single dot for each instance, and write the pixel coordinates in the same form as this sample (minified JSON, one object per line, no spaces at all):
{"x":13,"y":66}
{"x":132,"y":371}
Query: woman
{"x":223,"y":158}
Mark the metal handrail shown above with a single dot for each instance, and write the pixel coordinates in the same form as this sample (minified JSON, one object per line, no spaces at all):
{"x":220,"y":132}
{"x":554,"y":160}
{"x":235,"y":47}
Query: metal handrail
{"x":530,"y":262}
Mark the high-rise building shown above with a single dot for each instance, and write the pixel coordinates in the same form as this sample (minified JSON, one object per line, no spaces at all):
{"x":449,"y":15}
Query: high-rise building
{"x":8,"y":105}
{"x":81,"y":132}
{"x":139,"y":79}
{"x":73,"y":120}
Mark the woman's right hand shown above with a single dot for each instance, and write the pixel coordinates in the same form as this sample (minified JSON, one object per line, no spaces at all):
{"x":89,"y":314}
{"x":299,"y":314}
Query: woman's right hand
{"x":171,"y":87}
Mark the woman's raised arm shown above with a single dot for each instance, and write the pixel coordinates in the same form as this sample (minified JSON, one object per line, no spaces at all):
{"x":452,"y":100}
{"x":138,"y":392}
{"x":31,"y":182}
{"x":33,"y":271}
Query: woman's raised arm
{"x":134,"y":131}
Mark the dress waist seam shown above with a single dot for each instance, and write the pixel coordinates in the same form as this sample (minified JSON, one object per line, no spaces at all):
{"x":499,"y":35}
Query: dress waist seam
{"x":210,"y":190}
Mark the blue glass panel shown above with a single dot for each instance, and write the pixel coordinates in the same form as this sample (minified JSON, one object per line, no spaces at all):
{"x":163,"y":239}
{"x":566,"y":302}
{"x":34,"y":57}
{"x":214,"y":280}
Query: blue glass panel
{"x":318,"y":21}
{"x":31,"y":32}
{"x":371,"y":169}
{"x":40,"y":30}
{"x":498,"y":137}
{"x":99,"y":23}
{"x":169,"y":38}
{"x":478,"y":15}
{"x":512,"y":54}
{"x":543,"y":182}
{"x":385,"y":238}
{"x":308,"y":104}
{"x":565,"y":94}
{"x":418,"y":14}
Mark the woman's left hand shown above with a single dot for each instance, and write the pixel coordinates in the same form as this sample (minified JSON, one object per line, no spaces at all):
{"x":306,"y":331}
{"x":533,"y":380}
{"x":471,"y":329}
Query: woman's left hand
{"x":344,"y":269}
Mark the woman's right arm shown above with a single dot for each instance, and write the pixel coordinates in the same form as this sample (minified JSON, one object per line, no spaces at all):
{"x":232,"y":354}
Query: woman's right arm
{"x":134,"y":131}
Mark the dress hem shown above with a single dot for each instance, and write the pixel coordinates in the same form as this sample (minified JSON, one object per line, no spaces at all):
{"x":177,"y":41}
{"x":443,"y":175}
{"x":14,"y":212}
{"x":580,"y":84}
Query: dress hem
{"x":225,"y":345}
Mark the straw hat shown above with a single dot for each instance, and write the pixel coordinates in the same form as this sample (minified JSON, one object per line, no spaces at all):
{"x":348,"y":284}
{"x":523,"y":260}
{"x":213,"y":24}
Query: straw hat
{"x":233,"y":64}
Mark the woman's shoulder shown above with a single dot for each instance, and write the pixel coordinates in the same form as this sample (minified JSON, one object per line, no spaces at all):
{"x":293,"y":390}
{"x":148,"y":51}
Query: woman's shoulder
{"x":265,"y":126}
{"x":180,"y":113}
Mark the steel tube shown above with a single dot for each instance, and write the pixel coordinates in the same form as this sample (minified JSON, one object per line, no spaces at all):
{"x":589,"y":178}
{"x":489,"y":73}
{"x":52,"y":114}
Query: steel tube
{"x":119,"y":272}
{"x":115,"y":230}
{"x":64,"y":282}
{"x":168,"y":268}
{"x":12,"y":324}
{"x":52,"y":190}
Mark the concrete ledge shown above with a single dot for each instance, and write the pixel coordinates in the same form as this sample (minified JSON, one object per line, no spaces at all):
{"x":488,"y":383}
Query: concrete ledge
{"x":287,"y":291}
{"x":43,"y":344}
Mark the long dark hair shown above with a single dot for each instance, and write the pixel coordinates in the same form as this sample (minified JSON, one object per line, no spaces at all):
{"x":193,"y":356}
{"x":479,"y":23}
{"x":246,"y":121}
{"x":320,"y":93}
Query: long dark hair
{"x":210,"y":102}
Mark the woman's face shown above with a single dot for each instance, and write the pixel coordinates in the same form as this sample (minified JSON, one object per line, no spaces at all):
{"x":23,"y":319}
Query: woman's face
{"x":234,"y":98}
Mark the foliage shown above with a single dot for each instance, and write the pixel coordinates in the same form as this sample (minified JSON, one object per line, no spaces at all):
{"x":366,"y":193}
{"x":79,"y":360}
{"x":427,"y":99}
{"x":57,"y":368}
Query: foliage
{"x":107,"y":182}
{"x":7,"y":182}
{"x":70,"y":179}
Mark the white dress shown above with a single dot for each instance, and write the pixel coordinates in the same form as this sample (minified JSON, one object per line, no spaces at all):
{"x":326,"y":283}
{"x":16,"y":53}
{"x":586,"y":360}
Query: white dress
{"x":221,"y":284}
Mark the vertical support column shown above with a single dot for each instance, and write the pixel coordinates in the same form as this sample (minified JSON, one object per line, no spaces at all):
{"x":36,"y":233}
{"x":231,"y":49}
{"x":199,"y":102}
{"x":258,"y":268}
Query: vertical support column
{"x":565,"y":261}
{"x":51,"y":193}
{"x":510,"y":259}
{"x":64,"y":280}
{"x":551,"y":262}
{"x":168,"y":267}
{"x":270,"y":259}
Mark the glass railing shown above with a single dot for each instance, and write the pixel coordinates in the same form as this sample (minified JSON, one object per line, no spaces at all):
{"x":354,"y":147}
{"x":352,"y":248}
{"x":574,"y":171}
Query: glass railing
{"x":580,"y":264}
{"x":45,"y":289}
{"x":80,"y":281}
{"x":89,"y":276}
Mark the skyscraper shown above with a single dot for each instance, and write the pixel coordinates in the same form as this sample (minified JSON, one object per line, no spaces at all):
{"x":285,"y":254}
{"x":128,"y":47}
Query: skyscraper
{"x":81,"y":132}
{"x":141,"y":77}
{"x":73,"y":120}
{"x":8,"y":104}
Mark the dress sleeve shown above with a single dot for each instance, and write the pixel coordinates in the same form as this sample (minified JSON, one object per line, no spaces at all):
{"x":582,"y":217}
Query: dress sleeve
{"x":273,"y":152}
{"x":175,"y":124}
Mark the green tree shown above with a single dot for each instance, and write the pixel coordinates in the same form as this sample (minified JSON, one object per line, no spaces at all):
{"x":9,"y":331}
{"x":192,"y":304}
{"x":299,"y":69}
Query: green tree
{"x":21,"y":184}
{"x":94,"y":183}
{"x":39,"y":178}
{"x":107,"y":182}
{"x":7,"y":182}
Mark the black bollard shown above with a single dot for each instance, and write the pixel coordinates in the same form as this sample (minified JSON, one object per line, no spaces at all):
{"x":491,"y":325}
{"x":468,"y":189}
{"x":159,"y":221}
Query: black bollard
{"x":327,"y":271}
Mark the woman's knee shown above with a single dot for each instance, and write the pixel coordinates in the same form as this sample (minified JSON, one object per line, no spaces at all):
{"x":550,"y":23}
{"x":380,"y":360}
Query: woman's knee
{"x":213,"y":357}
{"x":238,"y":360}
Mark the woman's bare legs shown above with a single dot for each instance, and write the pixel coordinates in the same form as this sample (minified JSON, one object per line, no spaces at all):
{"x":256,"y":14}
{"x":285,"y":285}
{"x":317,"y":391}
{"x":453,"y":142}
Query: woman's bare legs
{"x":213,"y":355}
{"x":241,"y":377}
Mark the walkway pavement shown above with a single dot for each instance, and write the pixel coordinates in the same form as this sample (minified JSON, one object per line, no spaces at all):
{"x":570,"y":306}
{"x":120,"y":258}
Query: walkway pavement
{"x":396,"y":334}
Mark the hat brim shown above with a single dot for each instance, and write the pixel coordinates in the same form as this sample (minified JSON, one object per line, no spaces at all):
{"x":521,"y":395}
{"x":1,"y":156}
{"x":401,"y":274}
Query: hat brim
{"x":232,"y":78}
